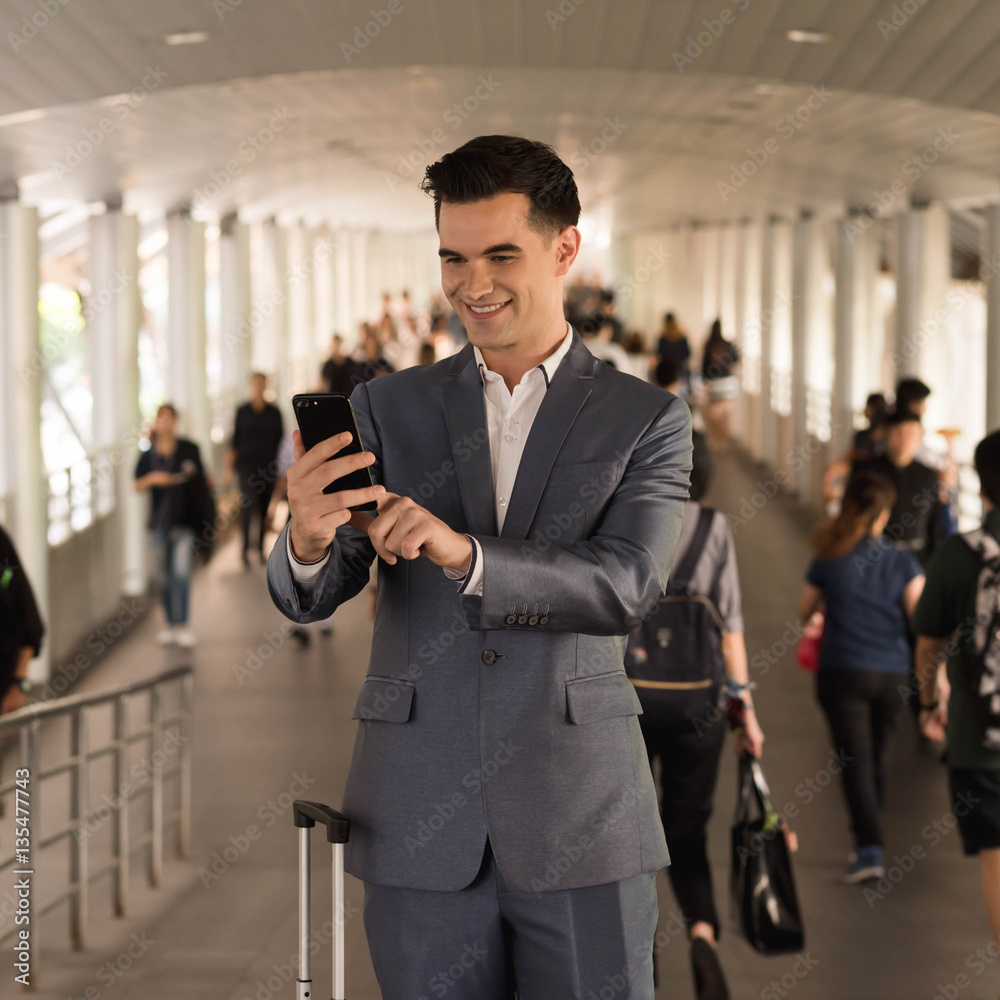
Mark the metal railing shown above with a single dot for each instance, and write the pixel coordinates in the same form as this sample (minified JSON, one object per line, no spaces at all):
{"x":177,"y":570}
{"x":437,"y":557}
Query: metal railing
{"x":27,"y":723}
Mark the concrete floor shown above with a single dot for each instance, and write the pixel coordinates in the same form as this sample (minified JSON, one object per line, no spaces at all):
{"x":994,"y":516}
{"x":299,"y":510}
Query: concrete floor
{"x":283,"y":728}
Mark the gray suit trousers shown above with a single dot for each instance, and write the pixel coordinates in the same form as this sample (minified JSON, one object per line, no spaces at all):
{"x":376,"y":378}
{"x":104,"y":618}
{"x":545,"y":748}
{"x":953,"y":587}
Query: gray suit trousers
{"x":485,"y":941}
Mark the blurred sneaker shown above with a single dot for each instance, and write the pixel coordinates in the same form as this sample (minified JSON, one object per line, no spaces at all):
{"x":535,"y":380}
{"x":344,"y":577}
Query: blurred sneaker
{"x":867,"y":864}
{"x":326,"y":629}
{"x":301,"y":635}
{"x":185,"y":637}
{"x":166,"y":636}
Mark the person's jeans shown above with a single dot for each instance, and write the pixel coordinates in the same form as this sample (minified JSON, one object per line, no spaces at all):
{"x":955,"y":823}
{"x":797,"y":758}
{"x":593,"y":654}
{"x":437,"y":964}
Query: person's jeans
{"x":173,"y":563}
{"x":689,"y":768}
{"x":862,"y":707}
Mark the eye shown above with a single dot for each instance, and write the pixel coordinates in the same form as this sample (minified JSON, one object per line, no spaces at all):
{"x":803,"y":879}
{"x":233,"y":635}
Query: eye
{"x":500,"y":259}
{"x":453,"y":260}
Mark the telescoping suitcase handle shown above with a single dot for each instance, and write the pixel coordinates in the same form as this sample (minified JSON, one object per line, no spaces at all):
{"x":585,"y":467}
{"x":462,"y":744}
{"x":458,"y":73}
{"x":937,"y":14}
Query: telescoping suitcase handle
{"x":338,"y":830}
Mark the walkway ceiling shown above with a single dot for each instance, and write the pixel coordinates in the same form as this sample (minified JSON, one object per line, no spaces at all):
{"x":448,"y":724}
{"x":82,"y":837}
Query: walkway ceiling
{"x":653,"y":138}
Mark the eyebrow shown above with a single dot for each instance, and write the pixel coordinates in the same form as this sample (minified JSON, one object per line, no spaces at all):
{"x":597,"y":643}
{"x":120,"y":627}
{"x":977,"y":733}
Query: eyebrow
{"x":498,"y":248}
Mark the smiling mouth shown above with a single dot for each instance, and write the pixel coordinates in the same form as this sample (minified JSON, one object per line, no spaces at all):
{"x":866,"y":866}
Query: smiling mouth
{"x":487,"y":310}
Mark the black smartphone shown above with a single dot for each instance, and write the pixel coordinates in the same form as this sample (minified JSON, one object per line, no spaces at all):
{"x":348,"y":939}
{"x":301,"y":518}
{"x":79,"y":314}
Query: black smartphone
{"x":323,"y":415}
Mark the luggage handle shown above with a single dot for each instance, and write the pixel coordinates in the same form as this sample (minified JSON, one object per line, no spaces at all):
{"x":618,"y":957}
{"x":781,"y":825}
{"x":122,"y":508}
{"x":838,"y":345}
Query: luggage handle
{"x":338,"y":829}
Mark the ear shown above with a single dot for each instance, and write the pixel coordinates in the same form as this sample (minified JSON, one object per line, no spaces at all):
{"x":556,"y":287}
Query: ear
{"x":567,"y":247}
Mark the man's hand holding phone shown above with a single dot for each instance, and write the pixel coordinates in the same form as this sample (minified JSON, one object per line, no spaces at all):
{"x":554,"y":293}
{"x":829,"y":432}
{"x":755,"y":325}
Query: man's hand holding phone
{"x":316,"y":515}
{"x":402,"y":528}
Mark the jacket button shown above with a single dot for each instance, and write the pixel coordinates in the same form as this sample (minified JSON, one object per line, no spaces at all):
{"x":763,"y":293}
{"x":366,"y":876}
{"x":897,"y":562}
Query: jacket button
{"x":522,"y":619}
{"x":533,"y":620}
{"x":489,"y":657}
{"x":544,"y":620}
{"x":511,"y":619}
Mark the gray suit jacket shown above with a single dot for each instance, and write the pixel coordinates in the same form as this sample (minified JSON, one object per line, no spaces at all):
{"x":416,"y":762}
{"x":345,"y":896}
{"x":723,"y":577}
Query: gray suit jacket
{"x":509,"y":715}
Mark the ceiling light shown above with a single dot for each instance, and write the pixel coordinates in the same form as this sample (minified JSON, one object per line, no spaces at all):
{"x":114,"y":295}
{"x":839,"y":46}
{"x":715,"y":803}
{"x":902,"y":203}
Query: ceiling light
{"x":186,"y":38}
{"x":808,"y":37}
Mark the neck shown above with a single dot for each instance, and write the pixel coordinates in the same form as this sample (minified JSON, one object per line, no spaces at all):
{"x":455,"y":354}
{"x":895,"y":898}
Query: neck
{"x":512,"y":362}
{"x":257,"y":402}
{"x":165,"y":442}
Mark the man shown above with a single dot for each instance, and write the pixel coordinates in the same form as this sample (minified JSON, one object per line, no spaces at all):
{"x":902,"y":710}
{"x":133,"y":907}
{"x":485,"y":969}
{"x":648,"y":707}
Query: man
{"x":951,"y":625}
{"x":253,"y":453}
{"x":911,"y":396}
{"x":602,"y":345}
{"x":338,"y":369}
{"x":914,"y":518}
{"x":529,"y":505}
{"x":21,"y":628}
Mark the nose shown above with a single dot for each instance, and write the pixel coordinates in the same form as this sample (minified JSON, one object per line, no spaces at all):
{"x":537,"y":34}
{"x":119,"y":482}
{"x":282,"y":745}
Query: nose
{"x":478,"y":284}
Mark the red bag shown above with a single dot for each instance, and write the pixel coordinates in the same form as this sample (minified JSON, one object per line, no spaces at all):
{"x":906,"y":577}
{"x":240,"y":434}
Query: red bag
{"x":807,"y":651}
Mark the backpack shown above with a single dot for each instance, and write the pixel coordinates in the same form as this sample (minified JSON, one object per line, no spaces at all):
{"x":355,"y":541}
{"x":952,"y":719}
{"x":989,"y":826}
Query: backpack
{"x":986,"y":635}
{"x":674,"y":658}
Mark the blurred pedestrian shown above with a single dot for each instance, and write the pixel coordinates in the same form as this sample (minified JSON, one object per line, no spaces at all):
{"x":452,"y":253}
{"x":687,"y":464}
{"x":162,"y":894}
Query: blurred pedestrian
{"x":21,"y":628}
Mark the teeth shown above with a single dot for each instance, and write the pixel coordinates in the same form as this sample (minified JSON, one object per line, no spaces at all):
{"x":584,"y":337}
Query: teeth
{"x":487,"y":309}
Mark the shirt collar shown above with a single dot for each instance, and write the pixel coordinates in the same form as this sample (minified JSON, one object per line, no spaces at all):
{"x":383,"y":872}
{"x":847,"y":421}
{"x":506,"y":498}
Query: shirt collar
{"x":547,"y":367}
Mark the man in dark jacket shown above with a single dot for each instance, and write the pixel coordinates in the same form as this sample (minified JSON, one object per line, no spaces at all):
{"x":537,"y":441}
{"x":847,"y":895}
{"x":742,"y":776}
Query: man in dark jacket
{"x":21,"y":627}
{"x":257,"y":434}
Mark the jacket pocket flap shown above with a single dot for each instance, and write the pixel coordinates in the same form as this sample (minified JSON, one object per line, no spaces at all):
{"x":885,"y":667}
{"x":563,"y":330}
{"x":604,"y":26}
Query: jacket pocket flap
{"x":386,"y":699}
{"x":605,"y":696}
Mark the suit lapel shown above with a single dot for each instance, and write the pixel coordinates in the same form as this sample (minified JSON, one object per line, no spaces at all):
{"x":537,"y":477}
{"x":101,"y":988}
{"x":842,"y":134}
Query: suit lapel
{"x":564,"y":398}
{"x":465,"y":413}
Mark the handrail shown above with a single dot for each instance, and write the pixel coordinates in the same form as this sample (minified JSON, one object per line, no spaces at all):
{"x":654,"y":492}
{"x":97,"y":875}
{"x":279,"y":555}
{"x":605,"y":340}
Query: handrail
{"x":26,"y":792}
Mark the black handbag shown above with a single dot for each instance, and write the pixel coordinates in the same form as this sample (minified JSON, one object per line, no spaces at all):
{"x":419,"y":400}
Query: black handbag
{"x":763,"y":889}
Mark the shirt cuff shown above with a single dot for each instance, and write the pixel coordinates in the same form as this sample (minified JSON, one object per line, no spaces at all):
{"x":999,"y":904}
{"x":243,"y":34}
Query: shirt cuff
{"x":472,"y":578}
{"x":304,"y":574}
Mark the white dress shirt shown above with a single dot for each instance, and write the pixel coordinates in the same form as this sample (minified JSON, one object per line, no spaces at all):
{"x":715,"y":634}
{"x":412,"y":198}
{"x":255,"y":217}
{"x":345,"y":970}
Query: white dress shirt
{"x":509,"y":416}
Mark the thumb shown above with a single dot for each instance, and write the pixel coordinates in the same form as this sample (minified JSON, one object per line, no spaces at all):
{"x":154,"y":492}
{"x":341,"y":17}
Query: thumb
{"x":361,"y":520}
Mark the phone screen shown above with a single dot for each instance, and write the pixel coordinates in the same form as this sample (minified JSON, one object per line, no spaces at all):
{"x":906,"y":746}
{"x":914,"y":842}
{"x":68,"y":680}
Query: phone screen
{"x":323,"y":415}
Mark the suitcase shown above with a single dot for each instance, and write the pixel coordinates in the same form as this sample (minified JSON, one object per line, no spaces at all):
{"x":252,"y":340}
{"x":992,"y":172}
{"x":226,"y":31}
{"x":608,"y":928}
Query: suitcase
{"x":338,"y":830}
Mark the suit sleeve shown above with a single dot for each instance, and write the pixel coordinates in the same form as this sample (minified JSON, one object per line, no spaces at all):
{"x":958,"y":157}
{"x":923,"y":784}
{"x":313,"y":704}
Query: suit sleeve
{"x":348,"y":569}
{"x":608,"y":583}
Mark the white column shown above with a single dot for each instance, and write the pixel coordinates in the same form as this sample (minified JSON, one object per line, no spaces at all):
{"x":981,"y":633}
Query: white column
{"x":923,"y":269}
{"x":186,"y":380}
{"x":807,"y":302}
{"x":301,"y":268}
{"x":854,"y":310}
{"x":235,"y":313}
{"x":272,"y":299}
{"x":991,"y":281}
{"x":748,"y":284}
{"x":113,"y":326}
{"x":342,"y":294}
{"x":324,"y":312}
{"x":775,"y":330}
{"x":20,"y":406}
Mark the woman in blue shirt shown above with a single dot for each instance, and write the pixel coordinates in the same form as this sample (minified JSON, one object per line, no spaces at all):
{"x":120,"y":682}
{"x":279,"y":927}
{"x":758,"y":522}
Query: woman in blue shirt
{"x":868,"y":588}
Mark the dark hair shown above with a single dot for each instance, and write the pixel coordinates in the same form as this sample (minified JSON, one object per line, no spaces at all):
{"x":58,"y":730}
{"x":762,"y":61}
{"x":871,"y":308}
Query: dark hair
{"x":901,"y":415}
{"x":667,"y":373}
{"x":716,"y":331}
{"x":866,"y":497}
{"x":910,"y":390}
{"x":167,"y":406}
{"x":607,"y":296}
{"x":496,"y":164}
{"x":987,"y":462}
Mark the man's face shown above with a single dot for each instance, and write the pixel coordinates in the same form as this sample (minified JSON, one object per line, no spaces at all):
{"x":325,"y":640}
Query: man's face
{"x":902,"y":442}
{"x":501,"y":276}
{"x":257,"y":386}
{"x":166,"y":421}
